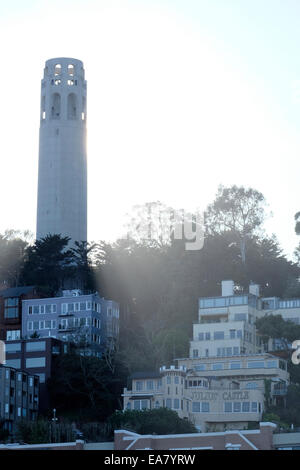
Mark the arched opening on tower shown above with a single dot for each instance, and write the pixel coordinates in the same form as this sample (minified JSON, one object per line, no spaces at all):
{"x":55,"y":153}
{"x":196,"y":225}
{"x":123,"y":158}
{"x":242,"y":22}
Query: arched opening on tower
{"x":57,"y":69}
{"x":71,"y":69}
{"x":55,"y":106}
{"x":72,"y":106}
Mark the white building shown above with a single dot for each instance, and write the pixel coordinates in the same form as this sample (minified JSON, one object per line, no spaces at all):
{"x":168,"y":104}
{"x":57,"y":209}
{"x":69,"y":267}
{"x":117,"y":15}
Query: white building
{"x":62,"y":179}
{"x":222,"y":384}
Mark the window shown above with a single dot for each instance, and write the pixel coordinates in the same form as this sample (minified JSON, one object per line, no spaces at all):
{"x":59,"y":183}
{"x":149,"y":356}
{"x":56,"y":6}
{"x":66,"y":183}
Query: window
{"x":251,"y":386}
{"x":236,"y":350}
{"x":232,"y":334}
{"x":217,"y":366}
{"x":176,"y":379}
{"x":35,"y":362}
{"x":205,"y":407}
{"x":168,"y":379}
{"x":271,"y":364}
{"x":55,"y":106}
{"x":228,"y":407}
{"x":176,"y":404}
{"x":196,"y":407}
{"x":72,"y":105}
{"x":57,"y":69}
{"x":82,"y":306}
{"x":254,"y":407}
{"x":219,"y":335}
{"x":199,"y":367}
{"x":256,"y":364}
{"x":64,"y":308}
{"x":12,"y":335}
{"x":71,"y":69}
{"x":149,"y":385}
{"x":235,"y":365}
{"x":36,"y":346}
{"x":11,"y":307}
{"x":229,"y":351}
{"x":245,"y":406}
{"x":207,"y":336}
{"x":168,"y":403}
{"x":237,"y":407}
{"x":70,"y":307}
{"x":13,"y":347}
{"x":201,"y":336}
{"x":30,"y":310}
{"x":239,"y":334}
{"x":240,"y":317}
{"x":139,"y":385}
{"x":195,"y":353}
{"x":29,"y":325}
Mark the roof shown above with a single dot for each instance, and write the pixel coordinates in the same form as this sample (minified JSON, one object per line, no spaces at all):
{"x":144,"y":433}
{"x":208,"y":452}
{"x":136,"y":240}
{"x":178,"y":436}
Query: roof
{"x":16,"y":291}
{"x":145,"y":375}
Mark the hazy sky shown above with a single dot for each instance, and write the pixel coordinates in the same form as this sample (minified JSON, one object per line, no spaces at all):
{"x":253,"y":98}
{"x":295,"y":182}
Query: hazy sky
{"x":182,"y":95}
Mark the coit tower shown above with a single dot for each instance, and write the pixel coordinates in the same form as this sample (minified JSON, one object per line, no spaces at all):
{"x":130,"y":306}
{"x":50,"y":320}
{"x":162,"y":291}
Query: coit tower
{"x":62,"y":175}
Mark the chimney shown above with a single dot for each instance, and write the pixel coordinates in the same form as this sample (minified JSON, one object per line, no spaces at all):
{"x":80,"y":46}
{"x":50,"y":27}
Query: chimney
{"x":227,"y":288}
{"x":254,"y":289}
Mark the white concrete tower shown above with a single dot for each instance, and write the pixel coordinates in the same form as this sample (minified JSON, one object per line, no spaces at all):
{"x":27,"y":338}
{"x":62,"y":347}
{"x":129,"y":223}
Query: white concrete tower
{"x":62,"y":179}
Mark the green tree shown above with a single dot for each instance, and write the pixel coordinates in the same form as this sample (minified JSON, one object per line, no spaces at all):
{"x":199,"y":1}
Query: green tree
{"x":158,"y":421}
{"x":83,"y":273}
{"x":275,"y":327}
{"x":13,"y":246}
{"x":85,"y":384}
{"x":238,"y":210}
{"x":48,"y":263}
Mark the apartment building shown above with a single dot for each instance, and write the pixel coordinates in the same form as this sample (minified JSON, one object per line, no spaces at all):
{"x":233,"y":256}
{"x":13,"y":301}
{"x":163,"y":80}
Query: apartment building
{"x":11,"y":310}
{"x":213,"y":393}
{"x":221,"y":385}
{"x":19,"y":396}
{"x":36,"y":357}
{"x":85,"y":319}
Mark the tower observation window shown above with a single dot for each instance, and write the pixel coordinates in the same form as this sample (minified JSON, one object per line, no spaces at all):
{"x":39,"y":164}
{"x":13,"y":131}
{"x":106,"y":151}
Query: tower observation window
{"x":55,"y":108}
{"x":57,"y":69}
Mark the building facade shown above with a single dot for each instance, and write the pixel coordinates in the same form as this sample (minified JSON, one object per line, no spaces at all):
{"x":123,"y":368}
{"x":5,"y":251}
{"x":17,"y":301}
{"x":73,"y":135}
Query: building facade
{"x":19,"y":396}
{"x":11,"y":310}
{"x":87,"y":319}
{"x":35,"y":357}
{"x":213,"y":393}
{"x":223,"y":382}
{"x":62,"y":174}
